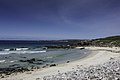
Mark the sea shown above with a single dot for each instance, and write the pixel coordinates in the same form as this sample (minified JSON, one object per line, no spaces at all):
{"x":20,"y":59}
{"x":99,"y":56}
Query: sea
{"x":17,"y":53}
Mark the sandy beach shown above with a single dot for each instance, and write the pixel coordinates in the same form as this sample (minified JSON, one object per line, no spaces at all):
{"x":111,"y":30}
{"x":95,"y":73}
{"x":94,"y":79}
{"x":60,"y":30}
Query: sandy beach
{"x":98,"y":56}
{"x":59,"y":39}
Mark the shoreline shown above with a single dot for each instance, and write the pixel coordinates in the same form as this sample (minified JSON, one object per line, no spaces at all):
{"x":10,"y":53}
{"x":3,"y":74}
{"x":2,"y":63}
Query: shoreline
{"x":99,"y":55}
{"x":18,"y":69}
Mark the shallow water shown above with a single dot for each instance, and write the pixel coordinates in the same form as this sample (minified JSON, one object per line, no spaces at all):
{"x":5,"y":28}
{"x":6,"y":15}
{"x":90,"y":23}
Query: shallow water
{"x":30,"y":53}
{"x":50,"y":56}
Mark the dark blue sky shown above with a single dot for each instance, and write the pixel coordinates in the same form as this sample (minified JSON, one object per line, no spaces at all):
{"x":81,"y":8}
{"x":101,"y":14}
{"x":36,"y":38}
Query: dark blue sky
{"x":59,"y":19}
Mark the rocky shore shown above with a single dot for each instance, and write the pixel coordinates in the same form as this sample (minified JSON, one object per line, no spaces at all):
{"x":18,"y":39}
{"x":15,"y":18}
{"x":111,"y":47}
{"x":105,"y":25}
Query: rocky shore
{"x":17,"y":69}
{"x":106,"y":71}
{"x":102,"y":64}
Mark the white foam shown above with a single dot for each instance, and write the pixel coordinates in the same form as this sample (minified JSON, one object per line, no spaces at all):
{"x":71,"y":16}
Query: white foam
{"x":19,"y":49}
{"x":4,"y":52}
{"x":20,"y":52}
{"x":13,"y":61}
{"x":2,"y":61}
{"x":6,"y":49}
{"x":49,"y":57}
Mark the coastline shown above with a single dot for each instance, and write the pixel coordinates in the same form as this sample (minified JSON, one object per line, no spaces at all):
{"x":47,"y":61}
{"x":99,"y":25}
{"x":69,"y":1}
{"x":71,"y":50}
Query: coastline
{"x":99,"y":55}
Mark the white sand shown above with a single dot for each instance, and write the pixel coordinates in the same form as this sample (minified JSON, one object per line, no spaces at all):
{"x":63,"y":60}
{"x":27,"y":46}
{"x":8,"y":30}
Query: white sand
{"x":99,"y":55}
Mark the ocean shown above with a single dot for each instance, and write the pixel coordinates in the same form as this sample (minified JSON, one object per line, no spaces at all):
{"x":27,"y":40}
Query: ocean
{"x":31,"y":53}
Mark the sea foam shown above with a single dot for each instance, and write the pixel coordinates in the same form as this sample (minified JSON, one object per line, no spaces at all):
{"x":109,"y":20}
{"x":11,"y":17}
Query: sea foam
{"x":20,"y":52}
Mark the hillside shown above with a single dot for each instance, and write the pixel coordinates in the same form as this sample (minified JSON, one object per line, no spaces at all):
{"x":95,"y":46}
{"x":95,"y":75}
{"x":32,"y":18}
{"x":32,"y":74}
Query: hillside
{"x":108,"y":41}
{"x":105,"y":42}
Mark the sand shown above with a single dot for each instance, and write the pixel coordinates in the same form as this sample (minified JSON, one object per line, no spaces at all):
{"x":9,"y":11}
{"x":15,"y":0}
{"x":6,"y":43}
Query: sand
{"x":99,"y":55}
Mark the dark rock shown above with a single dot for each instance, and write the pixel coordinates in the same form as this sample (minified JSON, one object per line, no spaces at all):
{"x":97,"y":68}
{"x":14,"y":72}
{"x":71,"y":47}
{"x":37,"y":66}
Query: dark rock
{"x":8,"y":71}
{"x":53,"y":65}
{"x":38,"y":79}
{"x":14,"y":65}
{"x":22,"y":60}
{"x":37,"y":67}
{"x":47,"y":64}
{"x":82,"y":48}
{"x":68,"y":61}
{"x":60,"y":47}
{"x":23,"y":57}
{"x":12,"y":49}
{"x":43,"y":66}
{"x":2,"y":76}
{"x":40,"y":60}
{"x":1,"y":49}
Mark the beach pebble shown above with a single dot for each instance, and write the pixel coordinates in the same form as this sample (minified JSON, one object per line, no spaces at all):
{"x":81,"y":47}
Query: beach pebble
{"x":107,"y":71}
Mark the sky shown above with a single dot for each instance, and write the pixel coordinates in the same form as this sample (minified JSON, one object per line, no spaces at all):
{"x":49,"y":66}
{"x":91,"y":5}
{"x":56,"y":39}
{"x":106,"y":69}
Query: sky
{"x":59,"y":19}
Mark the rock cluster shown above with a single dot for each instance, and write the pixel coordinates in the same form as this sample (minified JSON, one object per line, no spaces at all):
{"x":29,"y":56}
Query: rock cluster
{"x":4,"y":72}
{"x":106,"y":71}
{"x":33,"y":61}
{"x":17,"y":68}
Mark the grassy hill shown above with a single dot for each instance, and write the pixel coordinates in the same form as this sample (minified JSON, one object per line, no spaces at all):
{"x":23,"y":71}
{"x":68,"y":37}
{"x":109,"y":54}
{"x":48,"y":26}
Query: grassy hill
{"x":108,"y":41}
